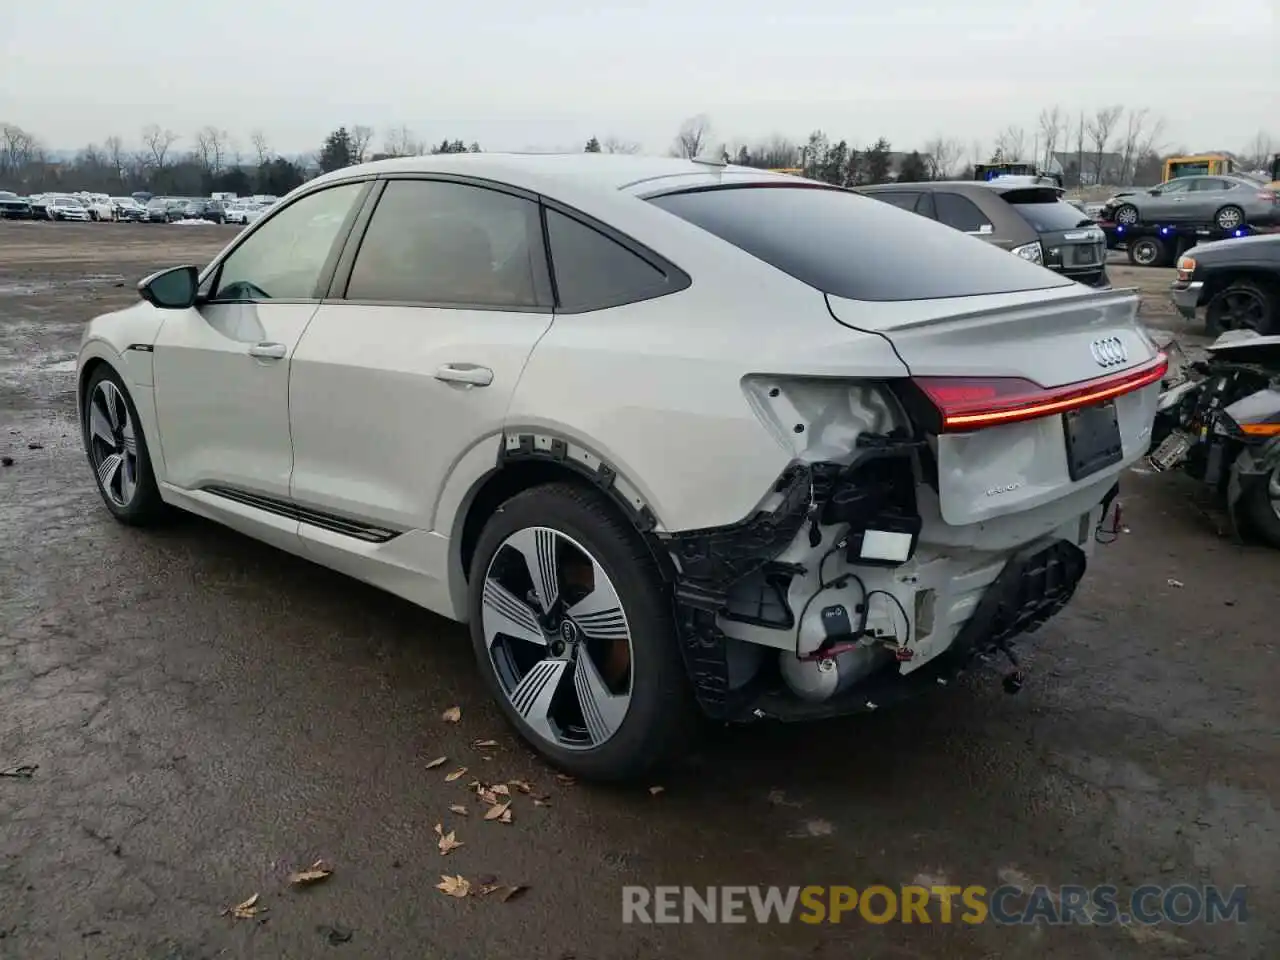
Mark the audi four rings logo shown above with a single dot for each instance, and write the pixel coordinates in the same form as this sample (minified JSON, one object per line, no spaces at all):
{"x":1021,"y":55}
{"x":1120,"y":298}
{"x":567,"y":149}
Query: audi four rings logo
{"x":1109,"y":351}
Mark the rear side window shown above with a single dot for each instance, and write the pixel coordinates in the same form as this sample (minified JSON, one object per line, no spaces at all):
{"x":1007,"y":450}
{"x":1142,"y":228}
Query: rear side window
{"x":594,"y":272}
{"x":851,"y":246}
{"x":898,"y":198}
{"x":448,"y":243}
{"x":961,"y":213}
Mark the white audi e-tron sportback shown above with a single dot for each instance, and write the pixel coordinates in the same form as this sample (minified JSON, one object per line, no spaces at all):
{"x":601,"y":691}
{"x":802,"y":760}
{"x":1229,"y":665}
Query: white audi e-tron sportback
{"x":665,"y":433}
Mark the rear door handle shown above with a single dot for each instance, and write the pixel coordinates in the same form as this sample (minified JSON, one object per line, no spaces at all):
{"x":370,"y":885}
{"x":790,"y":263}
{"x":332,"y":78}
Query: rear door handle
{"x":268,"y":351}
{"x":468,"y":373}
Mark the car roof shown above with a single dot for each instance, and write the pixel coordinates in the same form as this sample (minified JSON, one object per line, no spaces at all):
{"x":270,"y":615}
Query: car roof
{"x":539,"y":172}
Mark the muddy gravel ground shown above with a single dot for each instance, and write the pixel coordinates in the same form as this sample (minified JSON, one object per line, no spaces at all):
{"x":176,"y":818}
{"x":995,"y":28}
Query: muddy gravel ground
{"x":205,"y":715}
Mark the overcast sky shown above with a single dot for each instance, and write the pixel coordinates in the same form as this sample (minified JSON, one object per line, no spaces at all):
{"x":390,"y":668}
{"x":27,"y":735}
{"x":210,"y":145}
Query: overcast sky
{"x":526,"y":74}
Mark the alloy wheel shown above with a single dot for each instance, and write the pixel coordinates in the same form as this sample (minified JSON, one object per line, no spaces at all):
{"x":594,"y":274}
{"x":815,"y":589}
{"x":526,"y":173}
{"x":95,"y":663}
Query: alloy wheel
{"x":1242,"y":310}
{"x":1127,"y":216}
{"x":1229,"y":218}
{"x":558,"y":638}
{"x":1273,"y":490}
{"x":113,"y":443}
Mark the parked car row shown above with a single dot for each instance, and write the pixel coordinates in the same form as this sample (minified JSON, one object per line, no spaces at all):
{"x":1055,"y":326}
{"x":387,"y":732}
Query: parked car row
{"x":100,"y":207}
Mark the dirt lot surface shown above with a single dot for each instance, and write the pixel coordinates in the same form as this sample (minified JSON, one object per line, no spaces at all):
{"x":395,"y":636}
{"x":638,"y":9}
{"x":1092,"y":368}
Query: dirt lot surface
{"x":205,"y":715}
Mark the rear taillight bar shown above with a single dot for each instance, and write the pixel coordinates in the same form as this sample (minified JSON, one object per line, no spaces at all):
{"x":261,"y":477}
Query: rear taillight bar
{"x":964,"y":404}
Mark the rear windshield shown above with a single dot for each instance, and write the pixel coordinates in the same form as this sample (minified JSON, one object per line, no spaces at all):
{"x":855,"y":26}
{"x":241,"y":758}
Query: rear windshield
{"x":1045,"y":210}
{"x":854,"y":247}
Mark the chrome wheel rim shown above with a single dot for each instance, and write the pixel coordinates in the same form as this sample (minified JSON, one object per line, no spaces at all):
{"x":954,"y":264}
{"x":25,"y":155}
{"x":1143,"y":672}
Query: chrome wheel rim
{"x":1273,"y":491}
{"x":113,"y":443}
{"x":1229,"y":218}
{"x":557,"y":638}
{"x":1127,"y":216}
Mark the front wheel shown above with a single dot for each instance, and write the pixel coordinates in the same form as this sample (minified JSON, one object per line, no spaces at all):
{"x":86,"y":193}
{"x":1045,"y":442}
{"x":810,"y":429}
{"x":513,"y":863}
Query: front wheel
{"x":1126,"y":214}
{"x":117,"y":450}
{"x":1263,"y":508}
{"x":573,"y":630}
{"x":1146,"y":252}
{"x":1244,"y":305}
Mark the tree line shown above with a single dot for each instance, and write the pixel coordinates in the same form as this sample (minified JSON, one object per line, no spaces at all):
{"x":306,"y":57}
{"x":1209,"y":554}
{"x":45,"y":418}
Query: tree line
{"x":1111,"y":145}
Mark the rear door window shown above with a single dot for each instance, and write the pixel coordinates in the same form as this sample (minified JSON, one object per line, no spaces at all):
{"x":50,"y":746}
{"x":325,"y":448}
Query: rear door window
{"x":902,"y":199}
{"x":961,"y":213}
{"x":849,"y":245}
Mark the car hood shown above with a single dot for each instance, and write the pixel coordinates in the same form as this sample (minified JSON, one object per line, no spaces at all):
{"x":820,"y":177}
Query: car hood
{"x":1258,"y":247}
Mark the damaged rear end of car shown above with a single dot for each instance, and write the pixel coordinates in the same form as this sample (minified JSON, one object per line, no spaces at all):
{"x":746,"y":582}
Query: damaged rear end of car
{"x":925,"y":519}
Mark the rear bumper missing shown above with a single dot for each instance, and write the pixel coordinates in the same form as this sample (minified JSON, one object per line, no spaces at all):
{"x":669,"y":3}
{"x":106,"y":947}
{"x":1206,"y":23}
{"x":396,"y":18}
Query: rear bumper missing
{"x":1033,"y":587}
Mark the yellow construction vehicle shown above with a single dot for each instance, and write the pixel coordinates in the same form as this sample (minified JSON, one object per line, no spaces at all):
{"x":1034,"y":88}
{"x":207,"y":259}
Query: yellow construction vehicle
{"x":1199,"y":165}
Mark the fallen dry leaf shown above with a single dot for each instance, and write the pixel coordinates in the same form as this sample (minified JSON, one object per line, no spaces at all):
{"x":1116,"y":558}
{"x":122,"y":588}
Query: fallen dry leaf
{"x":459,"y":809}
{"x":314,"y":874}
{"x":567,"y":780}
{"x":510,"y":893}
{"x":654,"y":791}
{"x":484,"y":744}
{"x":487,"y":796}
{"x":501,"y":789}
{"x":437,"y":762}
{"x":246,"y":910}
{"x":506,"y":815}
{"x":452,"y":715}
{"x":542,"y":801}
{"x":448,"y":842}
{"x":457,"y":886}
{"x":523,"y":786}
{"x":449,"y":778}
{"x":496,"y":811}
{"x":488,"y":888}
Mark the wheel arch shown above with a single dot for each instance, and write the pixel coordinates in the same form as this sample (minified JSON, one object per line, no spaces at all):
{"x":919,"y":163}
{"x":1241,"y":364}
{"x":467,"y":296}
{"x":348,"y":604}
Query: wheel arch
{"x":528,"y":459}
{"x":1218,"y":280}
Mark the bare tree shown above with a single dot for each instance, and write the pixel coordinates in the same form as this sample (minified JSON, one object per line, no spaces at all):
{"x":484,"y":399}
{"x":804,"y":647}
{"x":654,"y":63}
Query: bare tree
{"x":1053,"y":122}
{"x":116,"y":156}
{"x":261,"y":148}
{"x":977,"y":152}
{"x":1099,"y":129}
{"x":693,"y":138}
{"x":941,"y":156}
{"x":402,"y":143}
{"x":1011,"y":144}
{"x":1080,"y":150}
{"x":1139,"y":139}
{"x":1260,"y":151}
{"x":156,"y":143}
{"x":18,"y":148}
{"x":360,"y":137}
{"x":616,"y":145}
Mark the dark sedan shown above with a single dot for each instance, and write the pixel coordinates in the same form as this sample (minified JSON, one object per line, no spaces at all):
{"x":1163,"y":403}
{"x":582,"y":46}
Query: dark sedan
{"x":211,"y":210}
{"x":14,"y":207}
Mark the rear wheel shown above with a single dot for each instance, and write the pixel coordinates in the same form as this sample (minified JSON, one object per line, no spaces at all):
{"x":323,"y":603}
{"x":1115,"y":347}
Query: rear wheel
{"x":1146,"y":252}
{"x":1263,"y":508}
{"x":1243,"y":305}
{"x":1228,"y":218}
{"x":573,"y":630}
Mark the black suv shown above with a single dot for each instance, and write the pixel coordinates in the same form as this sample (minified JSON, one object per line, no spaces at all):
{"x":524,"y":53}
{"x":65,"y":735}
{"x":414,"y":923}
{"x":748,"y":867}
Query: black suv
{"x":1028,"y":219}
{"x":206,"y":210}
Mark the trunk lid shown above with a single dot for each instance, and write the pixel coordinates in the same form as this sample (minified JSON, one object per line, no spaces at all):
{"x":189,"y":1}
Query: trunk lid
{"x":1068,"y":342}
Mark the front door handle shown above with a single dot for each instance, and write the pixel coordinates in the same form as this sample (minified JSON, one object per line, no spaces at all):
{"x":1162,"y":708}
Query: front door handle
{"x":268,"y":351}
{"x":468,"y":373}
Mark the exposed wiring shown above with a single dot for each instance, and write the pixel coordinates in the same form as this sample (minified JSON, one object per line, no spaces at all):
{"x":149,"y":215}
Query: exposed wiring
{"x":906,"y":621}
{"x":823,"y":585}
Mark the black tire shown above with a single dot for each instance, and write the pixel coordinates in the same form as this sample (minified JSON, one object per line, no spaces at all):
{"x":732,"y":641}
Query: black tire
{"x":1244,"y":304}
{"x":1147,"y":251}
{"x":661,"y":716}
{"x":1126,"y":215}
{"x":144,"y":507}
{"x":1260,"y":509}
{"x":1229,"y":217}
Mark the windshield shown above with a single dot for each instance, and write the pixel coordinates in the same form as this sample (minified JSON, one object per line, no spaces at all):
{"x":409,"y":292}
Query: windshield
{"x":854,"y":247}
{"x":66,"y":201}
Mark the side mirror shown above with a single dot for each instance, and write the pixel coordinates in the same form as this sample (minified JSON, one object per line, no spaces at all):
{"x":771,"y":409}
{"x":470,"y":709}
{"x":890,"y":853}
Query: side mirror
{"x":1156,"y":192}
{"x":172,"y":289}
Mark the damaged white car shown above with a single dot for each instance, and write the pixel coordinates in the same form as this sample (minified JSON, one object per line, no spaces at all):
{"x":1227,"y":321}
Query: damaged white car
{"x":665,"y":433}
